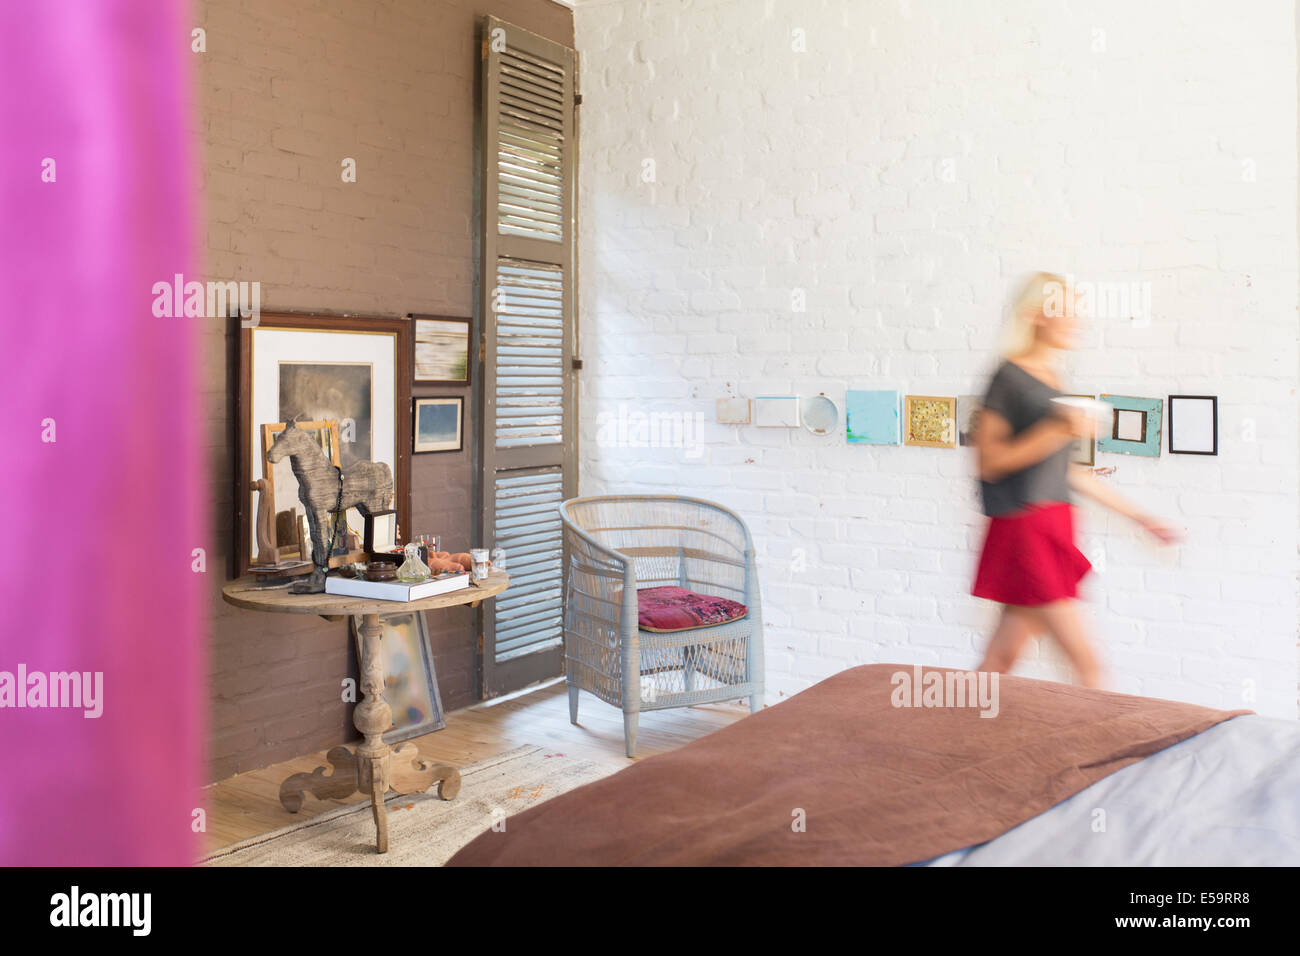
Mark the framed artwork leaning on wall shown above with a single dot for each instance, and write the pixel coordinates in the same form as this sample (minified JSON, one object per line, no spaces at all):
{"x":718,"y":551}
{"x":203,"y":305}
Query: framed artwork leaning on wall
{"x":410,"y":679}
{"x":282,"y":486}
{"x":316,"y":367}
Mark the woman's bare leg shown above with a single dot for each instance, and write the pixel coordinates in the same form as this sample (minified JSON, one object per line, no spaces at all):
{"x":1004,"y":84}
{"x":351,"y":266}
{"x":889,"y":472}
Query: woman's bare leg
{"x":1067,"y":626}
{"x":1015,"y":628}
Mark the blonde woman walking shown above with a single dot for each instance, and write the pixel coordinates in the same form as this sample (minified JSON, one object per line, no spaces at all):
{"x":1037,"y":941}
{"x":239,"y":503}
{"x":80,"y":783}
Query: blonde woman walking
{"x":1029,"y":563}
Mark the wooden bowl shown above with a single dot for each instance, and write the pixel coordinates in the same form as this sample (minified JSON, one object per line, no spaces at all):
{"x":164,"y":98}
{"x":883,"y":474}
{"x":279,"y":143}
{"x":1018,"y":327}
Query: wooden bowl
{"x":381,"y":571}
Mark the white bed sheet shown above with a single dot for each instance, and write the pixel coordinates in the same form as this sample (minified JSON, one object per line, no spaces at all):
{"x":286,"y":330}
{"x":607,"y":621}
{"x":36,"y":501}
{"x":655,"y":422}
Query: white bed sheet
{"x":1229,"y":796}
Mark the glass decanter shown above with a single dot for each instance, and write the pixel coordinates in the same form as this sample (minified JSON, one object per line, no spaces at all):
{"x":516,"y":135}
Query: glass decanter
{"x":412,"y":569}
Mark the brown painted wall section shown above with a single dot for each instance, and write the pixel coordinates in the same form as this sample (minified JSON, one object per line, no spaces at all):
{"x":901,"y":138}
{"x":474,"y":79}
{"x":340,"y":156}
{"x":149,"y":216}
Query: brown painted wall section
{"x":286,"y":90}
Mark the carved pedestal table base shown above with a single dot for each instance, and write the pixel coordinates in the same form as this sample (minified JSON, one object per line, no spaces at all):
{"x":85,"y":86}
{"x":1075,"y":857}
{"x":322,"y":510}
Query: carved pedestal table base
{"x":372,"y":767}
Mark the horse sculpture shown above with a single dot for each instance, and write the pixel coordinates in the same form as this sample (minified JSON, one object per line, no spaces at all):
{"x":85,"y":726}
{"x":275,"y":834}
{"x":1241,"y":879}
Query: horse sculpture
{"x":324,"y":489}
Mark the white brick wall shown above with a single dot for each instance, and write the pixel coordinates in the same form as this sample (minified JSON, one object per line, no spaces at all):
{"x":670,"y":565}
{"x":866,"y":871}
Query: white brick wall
{"x":1116,"y":141}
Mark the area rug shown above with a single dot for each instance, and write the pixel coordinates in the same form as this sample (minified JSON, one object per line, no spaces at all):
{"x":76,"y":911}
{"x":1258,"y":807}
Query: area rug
{"x":423,"y":830}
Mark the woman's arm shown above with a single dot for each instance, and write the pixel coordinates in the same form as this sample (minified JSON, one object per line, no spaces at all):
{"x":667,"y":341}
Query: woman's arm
{"x":1083,"y":481}
{"x":999,"y":454}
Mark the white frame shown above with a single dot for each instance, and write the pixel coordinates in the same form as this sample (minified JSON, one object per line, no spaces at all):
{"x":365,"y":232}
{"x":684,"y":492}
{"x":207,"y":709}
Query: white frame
{"x":271,"y":346}
{"x":776,"y":411}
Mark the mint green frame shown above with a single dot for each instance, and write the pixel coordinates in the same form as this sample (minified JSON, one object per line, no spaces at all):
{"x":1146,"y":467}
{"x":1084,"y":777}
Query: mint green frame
{"x":1149,"y":447}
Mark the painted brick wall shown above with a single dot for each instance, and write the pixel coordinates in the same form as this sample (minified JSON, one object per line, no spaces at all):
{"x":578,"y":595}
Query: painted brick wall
{"x":898,"y":165}
{"x":288,"y":88}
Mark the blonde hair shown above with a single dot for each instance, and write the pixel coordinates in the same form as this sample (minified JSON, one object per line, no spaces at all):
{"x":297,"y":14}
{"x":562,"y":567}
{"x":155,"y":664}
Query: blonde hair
{"x":1025,"y":307}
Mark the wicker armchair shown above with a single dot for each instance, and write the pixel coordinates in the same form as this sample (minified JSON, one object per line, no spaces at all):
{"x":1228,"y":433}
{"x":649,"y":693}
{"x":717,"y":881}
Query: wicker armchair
{"x":615,"y":544}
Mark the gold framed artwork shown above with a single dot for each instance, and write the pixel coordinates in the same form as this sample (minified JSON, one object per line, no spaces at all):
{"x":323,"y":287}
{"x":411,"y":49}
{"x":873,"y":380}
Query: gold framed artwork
{"x":288,"y":522}
{"x":930,"y":421}
{"x":281,"y":487}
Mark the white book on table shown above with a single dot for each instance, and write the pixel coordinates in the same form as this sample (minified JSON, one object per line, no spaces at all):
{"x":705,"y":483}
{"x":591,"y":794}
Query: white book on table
{"x":395,"y":590}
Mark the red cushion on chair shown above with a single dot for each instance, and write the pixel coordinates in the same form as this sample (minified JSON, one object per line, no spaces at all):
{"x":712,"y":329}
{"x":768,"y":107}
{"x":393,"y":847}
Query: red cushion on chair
{"x":677,"y":609}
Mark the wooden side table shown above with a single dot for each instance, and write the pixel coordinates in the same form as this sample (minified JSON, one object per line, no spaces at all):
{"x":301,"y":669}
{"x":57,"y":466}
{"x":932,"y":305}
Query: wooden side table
{"x":373,"y":767}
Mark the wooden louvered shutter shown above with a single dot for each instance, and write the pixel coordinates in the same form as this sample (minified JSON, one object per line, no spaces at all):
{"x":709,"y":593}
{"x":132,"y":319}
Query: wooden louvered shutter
{"x":527,"y":279}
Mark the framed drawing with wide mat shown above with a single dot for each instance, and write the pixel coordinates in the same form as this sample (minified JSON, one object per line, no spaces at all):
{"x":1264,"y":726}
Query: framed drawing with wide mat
{"x":354,"y":370}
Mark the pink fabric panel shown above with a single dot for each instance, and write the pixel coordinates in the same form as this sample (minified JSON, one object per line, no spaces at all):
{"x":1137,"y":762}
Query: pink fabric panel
{"x":100,"y":525}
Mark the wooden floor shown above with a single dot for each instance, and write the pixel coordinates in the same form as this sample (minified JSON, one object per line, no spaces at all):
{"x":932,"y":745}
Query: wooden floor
{"x":248,"y":804}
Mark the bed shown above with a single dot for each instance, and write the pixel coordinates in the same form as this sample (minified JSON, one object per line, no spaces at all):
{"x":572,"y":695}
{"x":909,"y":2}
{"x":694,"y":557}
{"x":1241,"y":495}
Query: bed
{"x":861,"y":769}
{"x":1230,"y":796}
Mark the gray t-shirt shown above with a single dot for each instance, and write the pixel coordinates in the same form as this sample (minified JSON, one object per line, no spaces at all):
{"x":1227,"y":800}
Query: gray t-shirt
{"x":1023,"y":400}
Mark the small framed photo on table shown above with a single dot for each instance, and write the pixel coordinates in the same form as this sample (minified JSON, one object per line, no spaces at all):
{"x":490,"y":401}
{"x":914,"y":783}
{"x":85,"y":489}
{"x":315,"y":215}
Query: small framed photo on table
{"x":1193,"y":424}
{"x":380,"y":533}
{"x":438,"y":424}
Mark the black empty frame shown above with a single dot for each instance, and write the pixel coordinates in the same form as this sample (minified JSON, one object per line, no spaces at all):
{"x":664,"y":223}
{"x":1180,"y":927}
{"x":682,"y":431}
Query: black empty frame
{"x":1193,"y":424}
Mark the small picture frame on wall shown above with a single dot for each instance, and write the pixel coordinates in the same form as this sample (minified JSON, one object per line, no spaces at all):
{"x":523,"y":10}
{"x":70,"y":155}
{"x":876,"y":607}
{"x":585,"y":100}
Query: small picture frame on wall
{"x":1193,"y":424}
{"x":410,"y":681}
{"x":1084,"y":450}
{"x":1134,"y":428}
{"x":441,"y":354}
{"x":930,"y":421}
{"x":819,"y":414}
{"x":871,"y":417}
{"x":968,"y":414}
{"x":437,"y":424}
{"x":776,"y":411}
{"x":733,"y":411}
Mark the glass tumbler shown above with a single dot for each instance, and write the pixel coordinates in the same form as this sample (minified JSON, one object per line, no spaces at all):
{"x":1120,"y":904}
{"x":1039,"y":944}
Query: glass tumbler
{"x":479,"y":556}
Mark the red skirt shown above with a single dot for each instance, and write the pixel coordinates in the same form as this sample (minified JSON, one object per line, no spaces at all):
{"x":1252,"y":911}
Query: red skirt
{"x":1029,"y":557}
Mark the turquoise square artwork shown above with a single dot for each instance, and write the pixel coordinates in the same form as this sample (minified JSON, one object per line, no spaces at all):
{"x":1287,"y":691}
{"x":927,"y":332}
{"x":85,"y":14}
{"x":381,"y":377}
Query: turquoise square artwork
{"x":1134,"y":428}
{"x":872,"y":418}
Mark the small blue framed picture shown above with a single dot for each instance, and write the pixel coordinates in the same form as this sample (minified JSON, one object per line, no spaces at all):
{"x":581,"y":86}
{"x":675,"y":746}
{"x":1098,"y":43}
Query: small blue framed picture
{"x":872,"y":417}
{"x":1134,"y":427}
{"x":438,"y":424}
